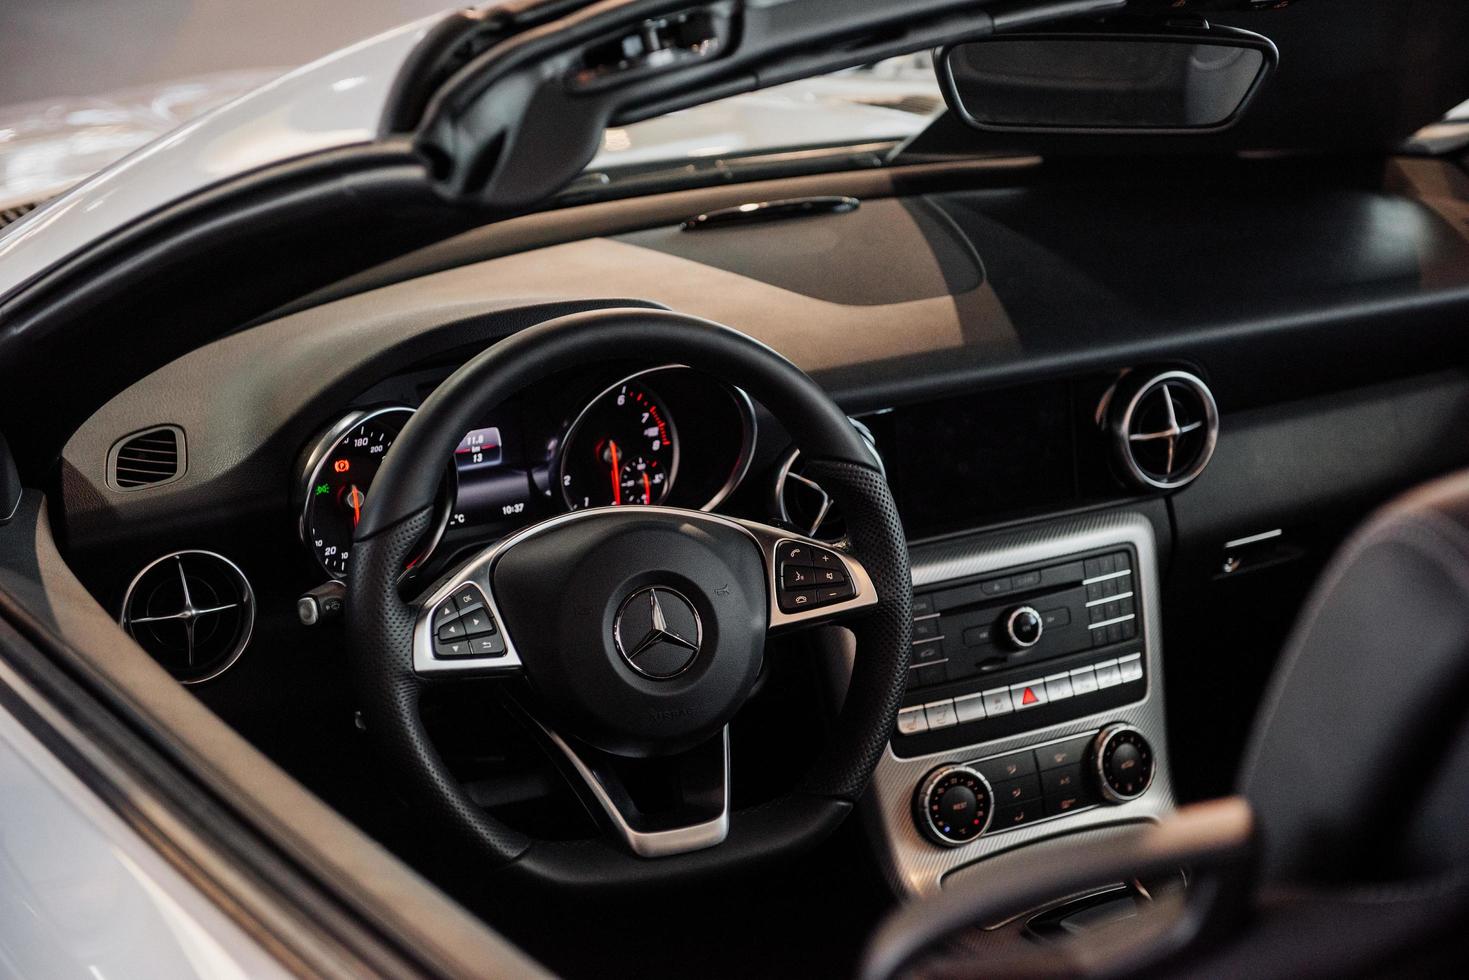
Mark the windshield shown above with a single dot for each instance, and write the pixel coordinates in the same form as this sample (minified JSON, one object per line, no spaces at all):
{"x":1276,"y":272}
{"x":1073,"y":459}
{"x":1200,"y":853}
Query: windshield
{"x":48,"y":144}
{"x":888,"y":101}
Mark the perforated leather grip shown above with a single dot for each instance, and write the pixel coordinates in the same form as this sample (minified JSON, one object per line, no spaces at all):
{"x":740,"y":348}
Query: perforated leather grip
{"x":380,"y":635}
{"x":884,"y":633}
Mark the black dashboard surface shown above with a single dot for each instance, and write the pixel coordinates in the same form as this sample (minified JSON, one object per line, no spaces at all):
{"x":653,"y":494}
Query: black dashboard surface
{"x":1279,"y":286}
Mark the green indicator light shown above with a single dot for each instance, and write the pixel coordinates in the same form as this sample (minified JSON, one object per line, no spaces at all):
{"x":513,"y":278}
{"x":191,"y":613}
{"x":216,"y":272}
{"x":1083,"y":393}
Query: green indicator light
{"x":322,"y":488}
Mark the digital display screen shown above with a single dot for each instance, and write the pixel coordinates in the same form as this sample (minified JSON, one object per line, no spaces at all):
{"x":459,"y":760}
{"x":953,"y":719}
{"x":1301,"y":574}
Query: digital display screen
{"x":959,"y":462}
{"x":494,"y":484}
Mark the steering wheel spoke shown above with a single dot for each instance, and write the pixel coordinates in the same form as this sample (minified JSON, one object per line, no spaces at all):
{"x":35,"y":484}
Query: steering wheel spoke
{"x":459,"y":628}
{"x":697,"y":818}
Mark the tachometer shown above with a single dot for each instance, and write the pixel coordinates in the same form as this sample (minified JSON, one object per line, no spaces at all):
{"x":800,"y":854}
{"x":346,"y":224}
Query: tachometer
{"x":621,"y":449}
{"x":339,"y":474}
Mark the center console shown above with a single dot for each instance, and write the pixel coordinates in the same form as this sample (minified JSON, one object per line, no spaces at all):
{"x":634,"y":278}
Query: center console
{"x":1035,"y":698}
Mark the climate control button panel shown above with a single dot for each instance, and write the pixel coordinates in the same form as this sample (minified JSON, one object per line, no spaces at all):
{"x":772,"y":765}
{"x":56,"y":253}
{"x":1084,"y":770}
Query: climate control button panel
{"x":955,"y":804}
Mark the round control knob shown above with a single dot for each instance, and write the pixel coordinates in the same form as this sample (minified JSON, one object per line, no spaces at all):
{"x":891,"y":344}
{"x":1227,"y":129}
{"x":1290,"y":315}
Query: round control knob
{"x":1124,"y":763}
{"x":953,"y":805}
{"x":1023,"y":627}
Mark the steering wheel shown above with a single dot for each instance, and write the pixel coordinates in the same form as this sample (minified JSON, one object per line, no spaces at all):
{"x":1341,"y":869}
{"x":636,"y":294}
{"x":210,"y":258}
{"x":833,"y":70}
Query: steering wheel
{"x":639,"y":631}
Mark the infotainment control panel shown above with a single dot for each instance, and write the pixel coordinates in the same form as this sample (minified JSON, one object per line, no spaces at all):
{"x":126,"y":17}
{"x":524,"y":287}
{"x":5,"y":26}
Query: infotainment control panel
{"x":998,"y":654}
{"x":1034,"y":705}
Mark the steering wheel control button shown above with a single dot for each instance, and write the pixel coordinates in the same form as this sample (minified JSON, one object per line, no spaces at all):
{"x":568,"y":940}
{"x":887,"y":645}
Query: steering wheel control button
{"x":953,"y":806}
{"x":793,"y":553}
{"x":658,"y":632}
{"x":468,"y":597}
{"x":912,"y":721}
{"x":452,"y":630}
{"x":941,"y":714}
{"x":821,"y":558}
{"x":810,"y":577}
{"x":1023,"y":628}
{"x":445,"y":612}
{"x":1124,"y":763}
{"x":477,"y":622}
{"x":450,"y":649}
{"x":794,"y":576}
{"x":491,"y":645}
{"x":830,"y":576}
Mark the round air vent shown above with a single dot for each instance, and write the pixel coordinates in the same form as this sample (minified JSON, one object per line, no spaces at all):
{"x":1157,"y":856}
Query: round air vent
{"x":803,"y":505}
{"x":1164,"y":427}
{"x":193,"y":611}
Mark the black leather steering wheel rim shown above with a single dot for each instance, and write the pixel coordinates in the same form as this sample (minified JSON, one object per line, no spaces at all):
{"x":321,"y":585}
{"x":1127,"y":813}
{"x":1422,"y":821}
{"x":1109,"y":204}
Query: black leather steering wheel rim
{"x":398,"y":513}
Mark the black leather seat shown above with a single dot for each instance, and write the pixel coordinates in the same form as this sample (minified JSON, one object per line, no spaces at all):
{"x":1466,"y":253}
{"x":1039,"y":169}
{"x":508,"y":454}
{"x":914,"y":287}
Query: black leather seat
{"x":1351,"y":856}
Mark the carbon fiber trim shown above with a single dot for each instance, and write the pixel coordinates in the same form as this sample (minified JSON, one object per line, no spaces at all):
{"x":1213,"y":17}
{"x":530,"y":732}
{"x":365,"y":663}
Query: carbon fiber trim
{"x":913,"y":865}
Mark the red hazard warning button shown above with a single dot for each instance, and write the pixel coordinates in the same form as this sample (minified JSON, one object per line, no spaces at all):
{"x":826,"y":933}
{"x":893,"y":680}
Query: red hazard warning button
{"x":1028,"y":695}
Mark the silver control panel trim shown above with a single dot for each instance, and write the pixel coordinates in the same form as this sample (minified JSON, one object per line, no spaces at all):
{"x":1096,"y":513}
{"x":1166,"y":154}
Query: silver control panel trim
{"x":914,"y":865}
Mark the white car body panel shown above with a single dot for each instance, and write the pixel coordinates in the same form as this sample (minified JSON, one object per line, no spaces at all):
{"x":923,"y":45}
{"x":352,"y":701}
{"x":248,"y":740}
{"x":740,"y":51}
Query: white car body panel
{"x":83,"y":895}
{"x":335,"y":102}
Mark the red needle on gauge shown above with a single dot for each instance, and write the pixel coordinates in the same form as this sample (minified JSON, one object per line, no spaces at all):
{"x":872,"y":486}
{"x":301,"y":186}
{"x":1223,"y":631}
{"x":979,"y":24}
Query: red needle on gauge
{"x":355,"y":496}
{"x":616,"y":474}
{"x":647,"y":490}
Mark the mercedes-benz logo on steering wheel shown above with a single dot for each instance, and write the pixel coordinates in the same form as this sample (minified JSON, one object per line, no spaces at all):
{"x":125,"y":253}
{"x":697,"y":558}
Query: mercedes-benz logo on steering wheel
{"x":658,"y":632}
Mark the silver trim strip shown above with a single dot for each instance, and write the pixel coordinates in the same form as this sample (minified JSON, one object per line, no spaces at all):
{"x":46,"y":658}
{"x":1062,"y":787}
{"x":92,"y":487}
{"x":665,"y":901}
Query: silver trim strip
{"x":1113,"y":622}
{"x":1106,"y":578}
{"x":1111,"y":598}
{"x":651,"y":843}
{"x":1254,"y":538}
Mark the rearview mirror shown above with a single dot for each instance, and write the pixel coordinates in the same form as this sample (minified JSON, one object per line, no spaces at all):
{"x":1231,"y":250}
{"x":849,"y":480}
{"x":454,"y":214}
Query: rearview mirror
{"x":1182,"y":82}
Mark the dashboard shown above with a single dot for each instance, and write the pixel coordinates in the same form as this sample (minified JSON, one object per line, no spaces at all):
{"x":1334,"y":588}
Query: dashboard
{"x":1000,"y":352}
{"x":661,"y":435}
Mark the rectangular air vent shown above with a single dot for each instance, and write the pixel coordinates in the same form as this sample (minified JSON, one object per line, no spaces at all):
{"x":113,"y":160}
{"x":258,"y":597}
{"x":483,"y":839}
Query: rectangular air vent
{"x":147,"y":458}
{"x":12,"y":214}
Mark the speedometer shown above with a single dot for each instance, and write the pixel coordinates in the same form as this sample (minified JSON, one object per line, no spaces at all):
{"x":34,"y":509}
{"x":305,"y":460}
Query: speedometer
{"x":621,"y":449}
{"x":339,"y":473}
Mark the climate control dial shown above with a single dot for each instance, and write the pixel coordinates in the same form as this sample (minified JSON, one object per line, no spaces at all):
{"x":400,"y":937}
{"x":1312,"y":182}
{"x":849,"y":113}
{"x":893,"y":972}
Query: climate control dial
{"x":953,"y":805}
{"x":1124,"y":763}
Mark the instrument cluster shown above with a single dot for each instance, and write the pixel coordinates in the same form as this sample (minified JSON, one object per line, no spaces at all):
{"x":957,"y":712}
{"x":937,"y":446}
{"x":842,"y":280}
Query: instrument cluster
{"x":665,"y":435}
